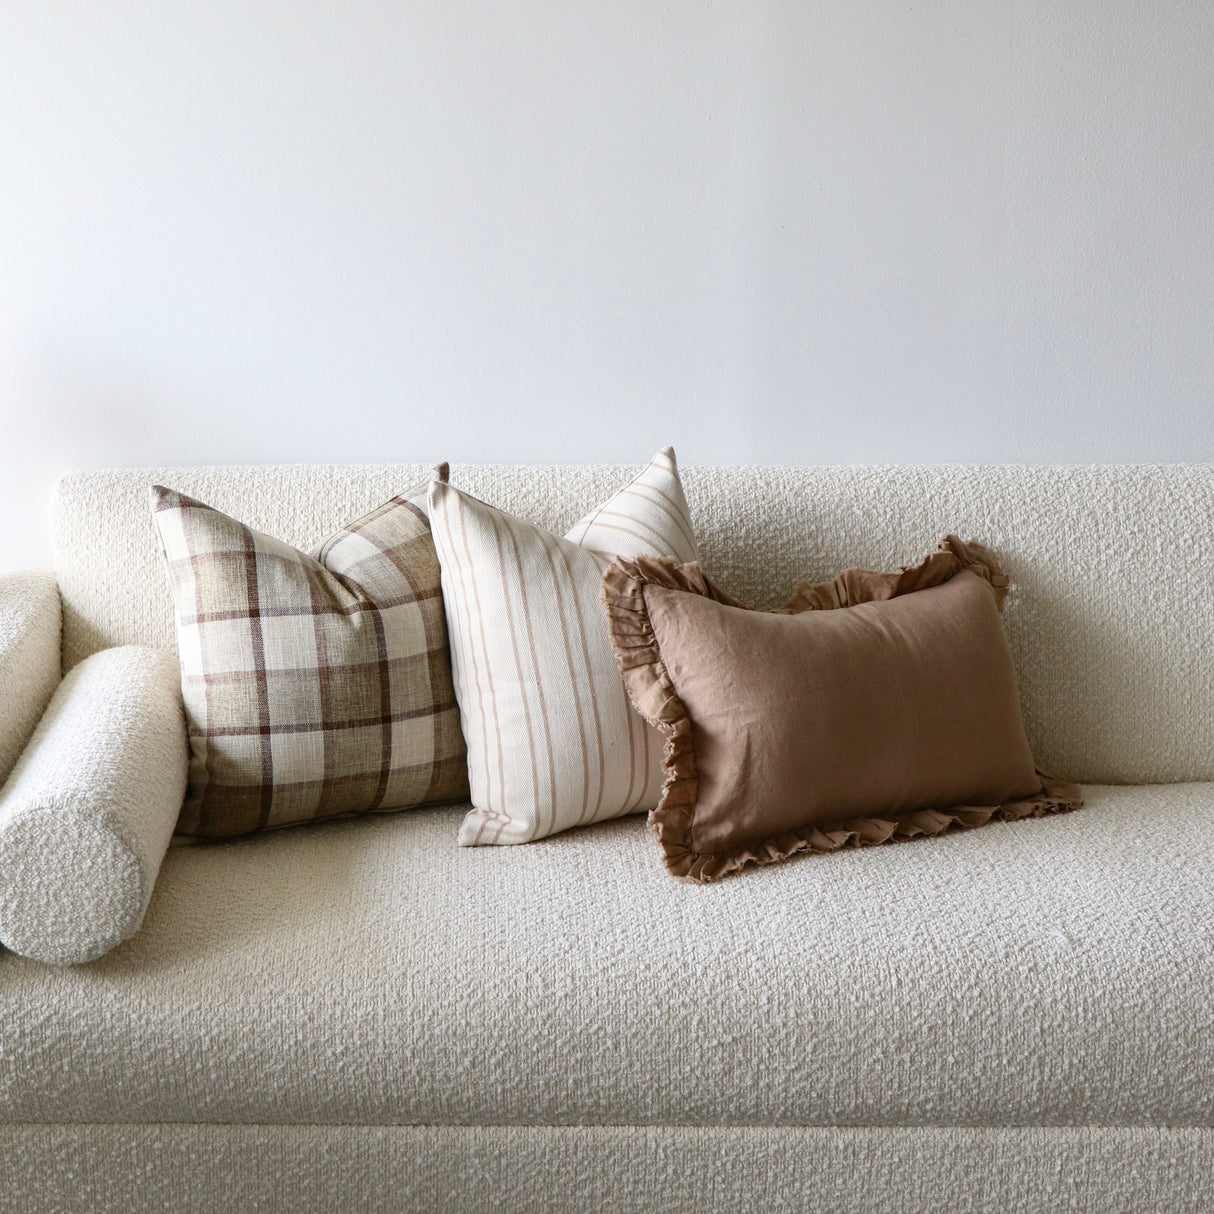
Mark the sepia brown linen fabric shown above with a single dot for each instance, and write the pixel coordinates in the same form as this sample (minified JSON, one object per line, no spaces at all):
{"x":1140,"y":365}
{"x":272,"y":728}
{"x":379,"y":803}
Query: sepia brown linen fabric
{"x":315,"y":684}
{"x":874,"y":707}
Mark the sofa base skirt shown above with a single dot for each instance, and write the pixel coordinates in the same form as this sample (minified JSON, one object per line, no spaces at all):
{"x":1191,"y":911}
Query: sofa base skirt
{"x":554,"y":1170}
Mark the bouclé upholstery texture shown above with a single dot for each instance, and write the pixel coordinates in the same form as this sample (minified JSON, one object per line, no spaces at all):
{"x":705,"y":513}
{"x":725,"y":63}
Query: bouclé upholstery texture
{"x":89,"y":810}
{"x":1032,"y":973}
{"x":218,"y":1169}
{"x":360,"y":1012}
{"x":1110,"y":564}
{"x":29,"y":657}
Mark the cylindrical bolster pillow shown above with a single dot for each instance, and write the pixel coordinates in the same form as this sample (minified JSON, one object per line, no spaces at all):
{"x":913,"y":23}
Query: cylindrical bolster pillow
{"x":29,"y":656}
{"x":89,"y":810}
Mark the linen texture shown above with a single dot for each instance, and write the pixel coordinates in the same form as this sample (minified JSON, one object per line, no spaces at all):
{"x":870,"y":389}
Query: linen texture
{"x":315,"y":684}
{"x":552,"y":739}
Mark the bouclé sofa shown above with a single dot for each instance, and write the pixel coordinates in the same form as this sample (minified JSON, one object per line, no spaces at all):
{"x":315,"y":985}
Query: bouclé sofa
{"x":360,"y":1015}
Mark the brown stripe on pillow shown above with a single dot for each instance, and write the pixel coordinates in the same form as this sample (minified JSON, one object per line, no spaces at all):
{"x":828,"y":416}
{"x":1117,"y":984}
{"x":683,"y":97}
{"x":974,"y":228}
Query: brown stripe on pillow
{"x":553,"y":740}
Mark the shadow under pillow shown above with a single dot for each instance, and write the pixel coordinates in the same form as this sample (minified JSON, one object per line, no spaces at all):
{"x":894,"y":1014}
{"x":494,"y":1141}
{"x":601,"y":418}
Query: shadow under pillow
{"x":874,"y":708}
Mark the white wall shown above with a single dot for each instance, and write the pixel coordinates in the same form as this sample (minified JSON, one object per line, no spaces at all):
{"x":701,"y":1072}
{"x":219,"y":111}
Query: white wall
{"x":236,"y":230}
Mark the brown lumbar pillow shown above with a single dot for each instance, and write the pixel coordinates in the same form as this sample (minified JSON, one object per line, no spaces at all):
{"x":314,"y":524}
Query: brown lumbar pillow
{"x":874,"y":708}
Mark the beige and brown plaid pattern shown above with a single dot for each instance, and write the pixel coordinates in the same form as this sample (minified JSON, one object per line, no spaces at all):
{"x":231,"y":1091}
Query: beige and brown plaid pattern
{"x":315,"y":684}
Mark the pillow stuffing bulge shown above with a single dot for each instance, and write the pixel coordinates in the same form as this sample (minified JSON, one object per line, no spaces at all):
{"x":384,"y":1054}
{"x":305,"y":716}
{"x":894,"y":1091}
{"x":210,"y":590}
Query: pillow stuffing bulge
{"x":552,"y":739}
{"x":873,"y":708}
{"x":315,"y":684}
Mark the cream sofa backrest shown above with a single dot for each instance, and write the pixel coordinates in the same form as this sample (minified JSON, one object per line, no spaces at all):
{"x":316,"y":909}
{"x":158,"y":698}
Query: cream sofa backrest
{"x":1111,"y":620}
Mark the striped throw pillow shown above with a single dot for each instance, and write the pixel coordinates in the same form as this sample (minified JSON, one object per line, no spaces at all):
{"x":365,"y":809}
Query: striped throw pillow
{"x":553,"y":741}
{"x":315,"y":684}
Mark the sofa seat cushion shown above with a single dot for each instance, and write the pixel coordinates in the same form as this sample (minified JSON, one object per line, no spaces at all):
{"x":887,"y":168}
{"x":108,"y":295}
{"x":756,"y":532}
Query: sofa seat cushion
{"x":372,"y":972}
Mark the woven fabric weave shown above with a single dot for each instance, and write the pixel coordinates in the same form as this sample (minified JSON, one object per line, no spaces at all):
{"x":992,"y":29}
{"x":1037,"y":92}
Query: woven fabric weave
{"x":552,"y":739}
{"x":315,"y":684}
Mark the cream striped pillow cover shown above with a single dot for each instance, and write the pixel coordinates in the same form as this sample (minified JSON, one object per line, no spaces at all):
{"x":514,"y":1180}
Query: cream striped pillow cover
{"x":553,"y":741}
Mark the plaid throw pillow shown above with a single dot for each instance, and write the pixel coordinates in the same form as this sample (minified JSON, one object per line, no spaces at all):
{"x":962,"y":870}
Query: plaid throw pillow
{"x":315,"y":684}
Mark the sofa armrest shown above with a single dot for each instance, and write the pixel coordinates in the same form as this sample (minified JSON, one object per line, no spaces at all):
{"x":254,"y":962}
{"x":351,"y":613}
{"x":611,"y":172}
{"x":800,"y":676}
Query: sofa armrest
{"x":30,"y":668}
